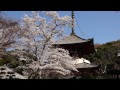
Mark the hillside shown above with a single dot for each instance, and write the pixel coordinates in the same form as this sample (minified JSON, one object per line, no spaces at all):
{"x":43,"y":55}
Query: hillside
{"x":112,"y":43}
{"x":115,"y":43}
{"x":106,"y":54}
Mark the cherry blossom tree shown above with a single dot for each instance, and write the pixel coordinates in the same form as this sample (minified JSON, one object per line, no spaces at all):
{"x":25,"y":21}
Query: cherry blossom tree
{"x":9,"y":30}
{"x":40,"y":31}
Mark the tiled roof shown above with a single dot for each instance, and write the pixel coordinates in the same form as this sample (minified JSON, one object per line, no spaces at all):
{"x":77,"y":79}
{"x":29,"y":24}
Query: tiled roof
{"x":71,"y":39}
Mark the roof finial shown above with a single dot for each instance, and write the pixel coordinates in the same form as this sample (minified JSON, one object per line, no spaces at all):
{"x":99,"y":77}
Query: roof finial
{"x":73,"y":22}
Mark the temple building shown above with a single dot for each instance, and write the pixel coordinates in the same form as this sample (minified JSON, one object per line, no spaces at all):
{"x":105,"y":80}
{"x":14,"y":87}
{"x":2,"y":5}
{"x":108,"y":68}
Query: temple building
{"x":77,"y":46}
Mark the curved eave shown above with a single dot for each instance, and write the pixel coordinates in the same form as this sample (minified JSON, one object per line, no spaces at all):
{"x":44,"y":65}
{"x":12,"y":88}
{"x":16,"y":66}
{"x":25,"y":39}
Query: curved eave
{"x":72,"y":39}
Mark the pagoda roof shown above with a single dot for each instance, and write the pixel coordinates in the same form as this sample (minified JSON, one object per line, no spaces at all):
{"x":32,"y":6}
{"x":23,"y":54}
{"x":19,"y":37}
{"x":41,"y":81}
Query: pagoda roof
{"x":72,"y":39}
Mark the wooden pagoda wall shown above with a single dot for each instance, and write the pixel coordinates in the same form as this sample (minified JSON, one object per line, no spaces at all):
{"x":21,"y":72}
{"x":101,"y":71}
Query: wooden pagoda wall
{"x":79,"y":49}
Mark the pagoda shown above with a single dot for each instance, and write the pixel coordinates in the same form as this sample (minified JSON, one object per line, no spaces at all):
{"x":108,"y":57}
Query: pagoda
{"x":77,"y":46}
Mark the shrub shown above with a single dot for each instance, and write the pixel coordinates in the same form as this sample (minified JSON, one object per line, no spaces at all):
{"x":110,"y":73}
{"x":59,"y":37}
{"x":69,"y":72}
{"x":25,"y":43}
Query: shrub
{"x":9,"y":60}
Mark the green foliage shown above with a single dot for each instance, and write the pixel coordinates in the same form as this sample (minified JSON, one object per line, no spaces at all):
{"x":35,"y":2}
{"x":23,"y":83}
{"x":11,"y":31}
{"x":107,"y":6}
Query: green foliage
{"x":14,"y":63}
{"x":2,"y":62}
{"x":106,"y":54}
{"x":9,"y":60}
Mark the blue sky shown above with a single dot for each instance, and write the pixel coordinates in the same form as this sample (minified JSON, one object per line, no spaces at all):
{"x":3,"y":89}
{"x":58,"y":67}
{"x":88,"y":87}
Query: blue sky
{"x":103,"y":26}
